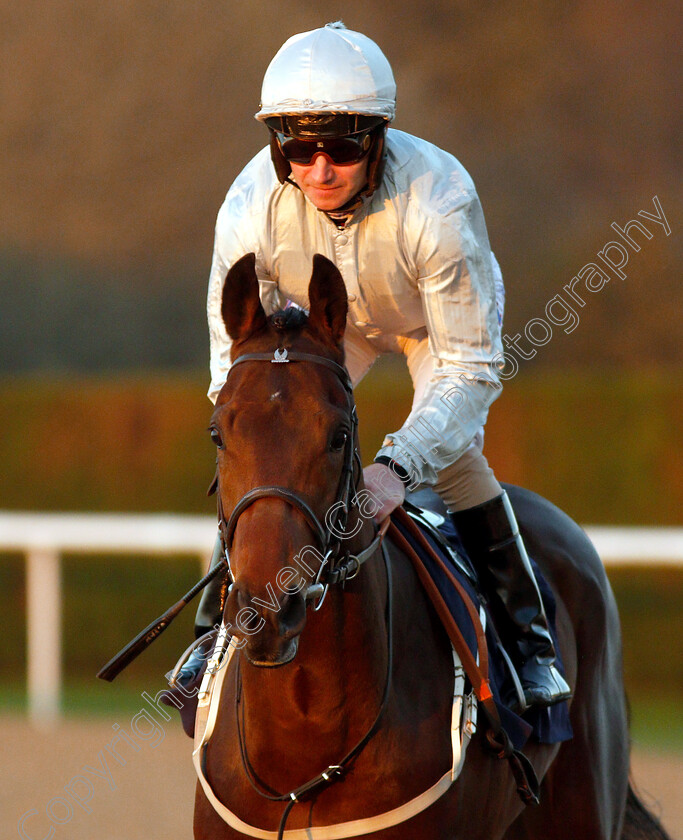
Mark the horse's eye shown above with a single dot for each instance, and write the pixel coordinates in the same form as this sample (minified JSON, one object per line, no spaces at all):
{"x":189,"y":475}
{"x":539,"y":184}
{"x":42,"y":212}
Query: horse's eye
{"x":339,"y":439}
{"x":216,"y":437}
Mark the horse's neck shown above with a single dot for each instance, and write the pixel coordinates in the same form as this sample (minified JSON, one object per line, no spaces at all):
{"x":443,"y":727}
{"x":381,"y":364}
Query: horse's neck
{"x":335,"y":685}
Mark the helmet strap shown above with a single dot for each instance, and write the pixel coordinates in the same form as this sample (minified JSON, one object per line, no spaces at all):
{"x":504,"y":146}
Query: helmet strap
{"x":376,"y":160}
{"x":282,"y":167}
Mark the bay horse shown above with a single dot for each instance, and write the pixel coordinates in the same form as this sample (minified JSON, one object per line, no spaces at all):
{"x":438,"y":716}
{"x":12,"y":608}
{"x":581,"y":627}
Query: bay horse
{"x":368,"y":673}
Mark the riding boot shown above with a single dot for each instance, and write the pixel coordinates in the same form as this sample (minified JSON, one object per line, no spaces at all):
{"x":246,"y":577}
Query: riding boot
{"x":209,"y":614}
{"x":491,"y":537}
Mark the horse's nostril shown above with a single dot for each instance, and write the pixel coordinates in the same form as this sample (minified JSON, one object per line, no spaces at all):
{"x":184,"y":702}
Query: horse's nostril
{"x":249,"y":614}
{"x":292,"y":615}
{"x":238,"y":599}
{"x":243,"y":598}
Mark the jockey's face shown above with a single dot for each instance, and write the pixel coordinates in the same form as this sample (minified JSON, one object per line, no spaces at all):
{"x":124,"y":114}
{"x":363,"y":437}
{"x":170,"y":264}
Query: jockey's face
{"x":329,"y":185}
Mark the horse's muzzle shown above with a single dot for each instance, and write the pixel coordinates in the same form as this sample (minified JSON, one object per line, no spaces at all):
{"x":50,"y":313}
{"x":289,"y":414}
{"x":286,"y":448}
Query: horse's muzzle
{"x":270,"y":625}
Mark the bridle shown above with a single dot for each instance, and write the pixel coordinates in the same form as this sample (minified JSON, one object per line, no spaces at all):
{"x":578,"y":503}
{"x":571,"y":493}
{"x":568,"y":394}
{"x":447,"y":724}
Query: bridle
{"x":337,"y":565}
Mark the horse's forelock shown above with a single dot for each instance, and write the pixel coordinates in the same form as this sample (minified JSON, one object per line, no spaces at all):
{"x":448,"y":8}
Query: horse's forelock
{"x":294,"y":320}
{"x":288,"y":319}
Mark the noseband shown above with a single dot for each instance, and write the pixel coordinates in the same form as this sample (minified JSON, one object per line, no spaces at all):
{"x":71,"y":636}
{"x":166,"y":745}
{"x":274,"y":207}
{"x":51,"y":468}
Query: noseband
{"x":337,"y":566}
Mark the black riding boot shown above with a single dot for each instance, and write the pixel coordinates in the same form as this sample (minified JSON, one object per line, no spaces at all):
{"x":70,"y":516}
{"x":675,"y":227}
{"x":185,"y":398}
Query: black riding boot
{"x":209,"y":613}
{"x":491,"y":537}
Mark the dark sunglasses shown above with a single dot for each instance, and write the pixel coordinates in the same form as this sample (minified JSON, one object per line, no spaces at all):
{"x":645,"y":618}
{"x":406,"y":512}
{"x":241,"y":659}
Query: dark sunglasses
{"x":340,"y":150}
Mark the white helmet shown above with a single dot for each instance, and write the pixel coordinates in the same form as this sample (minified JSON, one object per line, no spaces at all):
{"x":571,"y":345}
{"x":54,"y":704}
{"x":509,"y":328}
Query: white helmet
{"x":329,"y":70}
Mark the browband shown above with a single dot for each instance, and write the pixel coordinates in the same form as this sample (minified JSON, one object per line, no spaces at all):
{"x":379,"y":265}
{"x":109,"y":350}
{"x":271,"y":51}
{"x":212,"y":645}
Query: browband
{"x":284,"y":356}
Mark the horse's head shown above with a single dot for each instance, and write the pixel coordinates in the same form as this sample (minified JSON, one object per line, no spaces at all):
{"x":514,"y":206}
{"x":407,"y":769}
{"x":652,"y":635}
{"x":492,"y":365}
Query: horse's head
{"x":288,"y":467}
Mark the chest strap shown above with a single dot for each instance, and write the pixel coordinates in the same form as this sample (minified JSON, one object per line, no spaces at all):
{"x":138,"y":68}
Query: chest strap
{"x":463,"y":726}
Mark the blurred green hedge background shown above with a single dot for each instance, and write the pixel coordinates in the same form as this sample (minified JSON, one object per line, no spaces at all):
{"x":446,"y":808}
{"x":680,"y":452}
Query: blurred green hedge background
{"x":605,"y":449}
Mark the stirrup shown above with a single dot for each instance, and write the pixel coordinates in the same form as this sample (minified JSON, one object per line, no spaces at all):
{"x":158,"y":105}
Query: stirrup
{"x":543,"y":684}
{"x":191,"y":653}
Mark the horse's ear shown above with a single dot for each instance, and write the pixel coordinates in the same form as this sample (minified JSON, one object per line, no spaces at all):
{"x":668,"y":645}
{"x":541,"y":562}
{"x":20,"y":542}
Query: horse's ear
{"x":327,"y":297}
{"x":241,"y":306}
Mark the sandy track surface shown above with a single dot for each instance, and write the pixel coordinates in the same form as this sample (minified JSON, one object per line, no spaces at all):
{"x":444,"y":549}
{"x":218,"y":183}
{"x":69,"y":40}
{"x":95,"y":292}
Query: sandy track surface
{"x":143,"y":788}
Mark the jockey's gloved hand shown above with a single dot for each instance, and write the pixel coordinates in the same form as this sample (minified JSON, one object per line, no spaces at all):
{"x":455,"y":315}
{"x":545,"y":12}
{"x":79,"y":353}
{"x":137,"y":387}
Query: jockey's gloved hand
{"x":386,"y":487}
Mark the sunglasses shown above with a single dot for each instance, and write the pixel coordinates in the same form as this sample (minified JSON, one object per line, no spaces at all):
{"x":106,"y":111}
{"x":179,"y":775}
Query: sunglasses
{"x":340,"y":150}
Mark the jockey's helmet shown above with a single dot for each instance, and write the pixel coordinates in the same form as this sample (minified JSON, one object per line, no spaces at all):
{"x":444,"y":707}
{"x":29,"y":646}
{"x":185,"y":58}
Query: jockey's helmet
{"x":328,"y":85}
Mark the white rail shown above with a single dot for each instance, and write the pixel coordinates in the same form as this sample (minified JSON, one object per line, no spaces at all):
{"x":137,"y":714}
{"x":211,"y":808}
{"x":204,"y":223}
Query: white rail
{"x":43,"y":537}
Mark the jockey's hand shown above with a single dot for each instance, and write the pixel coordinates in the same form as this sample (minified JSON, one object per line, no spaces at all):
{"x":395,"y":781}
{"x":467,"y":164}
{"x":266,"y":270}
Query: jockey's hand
{"x":387,"y":489}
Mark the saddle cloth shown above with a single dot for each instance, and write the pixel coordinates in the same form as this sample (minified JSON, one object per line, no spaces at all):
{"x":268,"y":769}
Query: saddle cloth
{"x":547,"y":725}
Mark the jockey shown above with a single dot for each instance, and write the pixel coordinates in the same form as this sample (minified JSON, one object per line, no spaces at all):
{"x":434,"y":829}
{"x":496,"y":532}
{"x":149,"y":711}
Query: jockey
{"x":401,"y":220}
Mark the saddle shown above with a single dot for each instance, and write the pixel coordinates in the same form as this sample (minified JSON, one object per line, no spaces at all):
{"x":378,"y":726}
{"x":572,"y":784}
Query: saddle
{"x":458,"y":588}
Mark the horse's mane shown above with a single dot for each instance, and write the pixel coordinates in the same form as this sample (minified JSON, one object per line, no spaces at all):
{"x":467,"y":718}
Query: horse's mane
{"x":288,"y":319}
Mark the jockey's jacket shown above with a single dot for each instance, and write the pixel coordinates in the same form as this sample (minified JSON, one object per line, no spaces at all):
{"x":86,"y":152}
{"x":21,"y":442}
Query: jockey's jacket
{"x":421,"y":281}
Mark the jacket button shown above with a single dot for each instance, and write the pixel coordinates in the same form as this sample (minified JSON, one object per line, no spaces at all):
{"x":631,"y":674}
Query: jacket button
{"x":351,"y":298}
{"x":342,"y":239}
{"x":361,"y":323}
